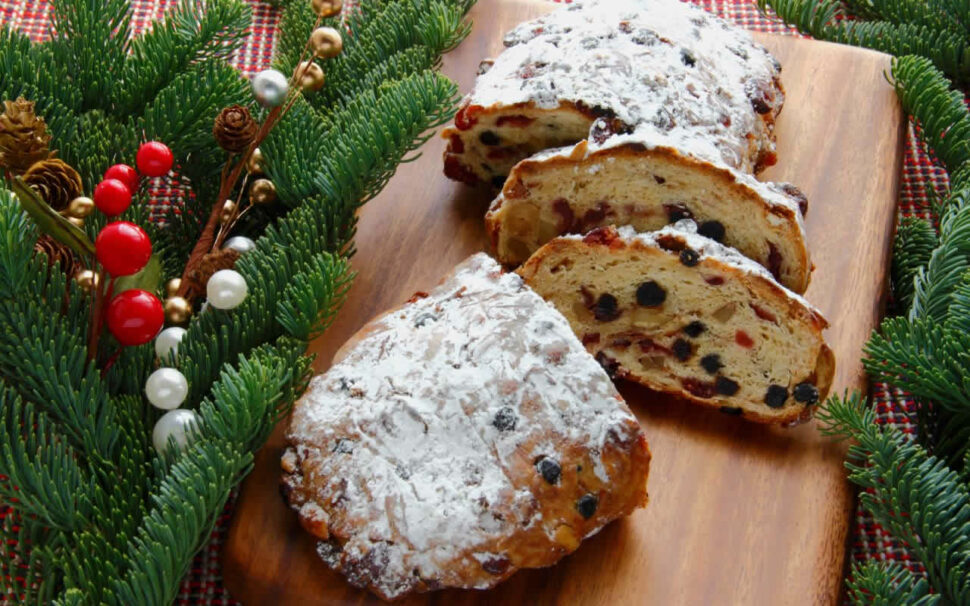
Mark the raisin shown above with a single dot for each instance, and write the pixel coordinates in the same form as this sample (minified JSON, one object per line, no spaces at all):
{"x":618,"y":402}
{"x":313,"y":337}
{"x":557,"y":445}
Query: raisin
{"x":606,"y":308}
{"x":424,"y":319}
{"x":651,"y":294}
{"x":712,"y":363}
{"x":732,"y":410}
{"x":774,"y":261}
{"x":797,"y":195}
{"x":682,"y":350}
{"x":590,"y":338}
{"x":726,"y":387}
{"x":496,"y":566}
{"x":701,"y":389}
{"x":549,"y":469}
{"x":456,"y":170}
{"x":610,"y":365}
{"x":760,"y":105}
{"x":489,"y":138}
{"x":806,"y":393}
{"x":567,"y":219}
{"x":505,"y":419}
{"x":775,"y":396}
{"x":689,"y":257}
{"x":676,"y":212}
{"x":498,"y":181}
{"x":687,"y":57}
{"x":586,"y":505}
{"x":712,"y":229}
{"x":660,"y":180}
{"x":343,"y":446}
{"x":694,"y":329}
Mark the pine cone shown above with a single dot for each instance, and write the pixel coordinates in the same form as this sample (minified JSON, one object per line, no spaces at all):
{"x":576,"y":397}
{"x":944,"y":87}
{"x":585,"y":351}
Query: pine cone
{"x":58,"y":253}
{"x":234,"y":129}
{"x":23,"y":136}
{"x":210,"y":264}
{"x":56,"y":181}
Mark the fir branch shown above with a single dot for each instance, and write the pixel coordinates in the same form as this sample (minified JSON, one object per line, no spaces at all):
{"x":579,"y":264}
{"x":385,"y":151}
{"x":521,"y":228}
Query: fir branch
{"x":43,"y":357}
{"x":922,"y":357}
{"x":888,"y":583}
{"x":186,"y":506}
{"x":913,"y":246}
{"x":244,"y":404}
{"x":193,"y":32}
{"x":946,"y":47}
{"x":379,"y":34}
{"x":16,"y":248}
{"x":310,"y":303}
{"x":38,"y":466}
{"x":31,"y":71}
{"x":90,"y":40}
{"x":927,"y":97}
{"x":912,"y":494}
{"x":27,"y":565}
{"x":935,"y":283}
{"x":187,"y":129}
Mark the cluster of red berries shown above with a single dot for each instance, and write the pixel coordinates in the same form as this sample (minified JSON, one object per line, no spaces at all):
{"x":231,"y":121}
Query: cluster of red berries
{"x":122,"y":248}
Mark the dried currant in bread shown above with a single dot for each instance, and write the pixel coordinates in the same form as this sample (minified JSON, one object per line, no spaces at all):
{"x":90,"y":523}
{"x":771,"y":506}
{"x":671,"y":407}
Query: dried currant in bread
{"x":743,"y":344}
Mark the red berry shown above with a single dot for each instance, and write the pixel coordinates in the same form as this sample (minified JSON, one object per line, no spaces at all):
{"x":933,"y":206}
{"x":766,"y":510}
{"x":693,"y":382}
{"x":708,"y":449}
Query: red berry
{"x":135,"y":317}
{"x":154,"y":159}
{"x":122,"y":248}
{"x":112,"y":197}
{"x":125,"y":174}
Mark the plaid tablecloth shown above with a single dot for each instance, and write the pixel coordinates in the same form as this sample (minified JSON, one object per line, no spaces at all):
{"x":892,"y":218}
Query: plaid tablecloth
{"x":203,"y":584}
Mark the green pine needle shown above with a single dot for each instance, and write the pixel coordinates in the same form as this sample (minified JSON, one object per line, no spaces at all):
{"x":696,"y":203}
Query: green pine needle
{"x":910,"y":493}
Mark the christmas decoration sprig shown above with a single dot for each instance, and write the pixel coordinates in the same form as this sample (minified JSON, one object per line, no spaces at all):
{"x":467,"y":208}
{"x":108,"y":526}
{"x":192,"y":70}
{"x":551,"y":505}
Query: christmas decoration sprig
{"x":117,"y":457}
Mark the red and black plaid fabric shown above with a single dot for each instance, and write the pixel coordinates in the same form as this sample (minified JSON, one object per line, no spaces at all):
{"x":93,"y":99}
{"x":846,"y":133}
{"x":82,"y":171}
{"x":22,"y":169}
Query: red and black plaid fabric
{"x":203,"y":584}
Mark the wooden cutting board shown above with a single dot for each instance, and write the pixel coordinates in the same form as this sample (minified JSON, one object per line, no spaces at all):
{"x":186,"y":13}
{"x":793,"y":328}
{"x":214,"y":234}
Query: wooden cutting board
{"x":738,"y":513}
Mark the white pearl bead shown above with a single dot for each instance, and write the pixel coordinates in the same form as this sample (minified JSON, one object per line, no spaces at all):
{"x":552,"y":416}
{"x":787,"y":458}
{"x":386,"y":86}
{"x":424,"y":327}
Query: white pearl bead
{"x":168,"y":341}
{"x":226,"y":289}
{"x":270,"y":87}
{"x":240,"y":244}
{"x":166,"y":388}
{"x":176,"y":424}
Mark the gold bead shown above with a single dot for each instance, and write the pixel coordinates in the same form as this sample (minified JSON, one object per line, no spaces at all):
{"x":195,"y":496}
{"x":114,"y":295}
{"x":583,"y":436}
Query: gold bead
{"x":255,"y":163}
{"x":311,"y":75}
{"x":177,"y":310}
{"x":326,"y":42}
{"x":228,"y":209}
{"x":327,"y":8}
{"x":172,"y":287}
{"x":76,"y":222}
{"x":87,"y":280}
{"x":80,"y":207}
{"x":262,"y":192}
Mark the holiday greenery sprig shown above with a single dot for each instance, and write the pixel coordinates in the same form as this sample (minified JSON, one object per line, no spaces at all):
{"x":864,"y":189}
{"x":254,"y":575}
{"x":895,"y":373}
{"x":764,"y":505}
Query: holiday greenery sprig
{"x":93,"y":514}
{"x":917,"y":491}
{"x":936,"y":29}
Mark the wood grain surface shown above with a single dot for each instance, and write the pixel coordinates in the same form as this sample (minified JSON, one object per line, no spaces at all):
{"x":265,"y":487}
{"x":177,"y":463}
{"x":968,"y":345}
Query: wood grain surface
{"x":739,"y":513}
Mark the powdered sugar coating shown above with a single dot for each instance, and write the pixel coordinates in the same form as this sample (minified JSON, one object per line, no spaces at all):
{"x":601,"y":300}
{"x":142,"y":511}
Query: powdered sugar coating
{"x":654,"y":64}
{"x":421,"y":430}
